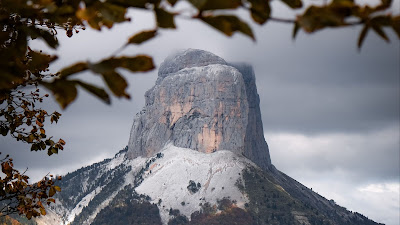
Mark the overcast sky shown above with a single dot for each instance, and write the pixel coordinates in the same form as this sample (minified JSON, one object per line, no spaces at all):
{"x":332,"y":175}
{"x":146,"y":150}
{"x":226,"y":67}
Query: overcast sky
{"x":330,"y":112}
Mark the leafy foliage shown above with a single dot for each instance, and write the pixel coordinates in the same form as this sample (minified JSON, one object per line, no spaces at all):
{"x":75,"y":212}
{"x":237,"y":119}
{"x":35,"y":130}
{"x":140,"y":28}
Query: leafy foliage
{"x":20,"y":112}
{"x":18,"y":196}
{"x":22,"y":21}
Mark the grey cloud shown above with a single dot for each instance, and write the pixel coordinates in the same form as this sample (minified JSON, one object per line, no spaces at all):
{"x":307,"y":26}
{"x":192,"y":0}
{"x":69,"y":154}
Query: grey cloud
{"x":317,"y":85}
{"x":361,"y":158}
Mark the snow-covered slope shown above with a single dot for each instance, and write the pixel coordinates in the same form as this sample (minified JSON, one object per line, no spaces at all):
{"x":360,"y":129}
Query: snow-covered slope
{"x":180,"y":184}
{"x":167,"y":179}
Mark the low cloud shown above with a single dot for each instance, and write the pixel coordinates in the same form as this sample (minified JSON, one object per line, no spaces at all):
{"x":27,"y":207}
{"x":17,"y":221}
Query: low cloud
{"x":358,"y":171}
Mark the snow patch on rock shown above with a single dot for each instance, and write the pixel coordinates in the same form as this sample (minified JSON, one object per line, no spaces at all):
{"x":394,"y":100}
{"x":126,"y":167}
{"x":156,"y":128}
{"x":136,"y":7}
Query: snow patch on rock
{"x":116,"y":161}
{"x":217,"y":173}
{"x":83,"y":203}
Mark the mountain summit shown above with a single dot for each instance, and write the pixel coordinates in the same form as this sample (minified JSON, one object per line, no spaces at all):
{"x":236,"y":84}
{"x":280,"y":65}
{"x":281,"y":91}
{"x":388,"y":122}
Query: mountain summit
{"x":196,"y":155}
{"x":202,"y":103}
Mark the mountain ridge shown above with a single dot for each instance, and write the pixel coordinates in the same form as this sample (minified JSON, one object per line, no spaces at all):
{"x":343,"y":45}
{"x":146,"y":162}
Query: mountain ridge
{"x":261,"y":197}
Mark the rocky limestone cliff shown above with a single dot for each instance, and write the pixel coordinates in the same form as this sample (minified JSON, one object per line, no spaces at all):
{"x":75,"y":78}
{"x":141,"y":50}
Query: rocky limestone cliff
{"x":202,"y":103}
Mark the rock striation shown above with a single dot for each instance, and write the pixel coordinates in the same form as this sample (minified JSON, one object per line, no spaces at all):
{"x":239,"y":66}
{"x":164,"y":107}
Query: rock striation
{"x":202,"y":103}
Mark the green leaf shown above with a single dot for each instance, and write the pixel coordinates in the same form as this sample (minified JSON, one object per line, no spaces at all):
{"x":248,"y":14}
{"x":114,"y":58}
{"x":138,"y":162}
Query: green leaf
{"x":142,"y":37}
{"x":294,"y":4}
{"x":99,"y":92}
{"x":64,"y":91}
{"x":164,"y":19}
{"x":214,"y":5}
{"x":260,"y":11}
{"x":116,"y":83}
{"x":362,"y":36}
{"x":228,"y":25}
{"x":76,"y":68}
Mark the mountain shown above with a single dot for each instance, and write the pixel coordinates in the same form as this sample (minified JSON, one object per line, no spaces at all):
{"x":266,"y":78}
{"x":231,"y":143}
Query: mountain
{"x":202,"y":103}
{"x":196,"y":155}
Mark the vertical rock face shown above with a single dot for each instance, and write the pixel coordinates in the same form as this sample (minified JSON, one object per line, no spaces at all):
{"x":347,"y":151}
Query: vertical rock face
{"x":202,"y":103}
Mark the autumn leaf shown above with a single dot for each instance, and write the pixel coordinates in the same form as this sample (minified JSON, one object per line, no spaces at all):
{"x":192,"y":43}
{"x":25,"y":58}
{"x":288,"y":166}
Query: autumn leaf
{"x":214,"y":5}
{"x":139,"y":63}
{"x":164,"y":18}
{"x":62,"y":141}
{"x":142,"y":37}
{"x":260,"y":11}
{"x":98,"y":92}
{"x":73,"y":69}
{"x":52,"y":191}
{"x":42,"y":211}
{"x":228,"y":25}
{"x":116,"y":83}
{"x":64,"y":91}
